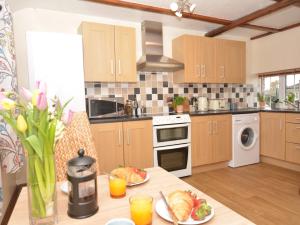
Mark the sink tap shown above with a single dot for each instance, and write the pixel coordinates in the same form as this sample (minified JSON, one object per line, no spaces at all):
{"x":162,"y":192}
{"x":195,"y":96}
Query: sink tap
{"x":296,"y":105}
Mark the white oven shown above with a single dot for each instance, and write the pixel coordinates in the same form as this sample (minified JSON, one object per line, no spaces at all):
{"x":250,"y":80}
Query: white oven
{"x":171,"y":134}
{"x":175,"y":159}
{"x":172,"y":143}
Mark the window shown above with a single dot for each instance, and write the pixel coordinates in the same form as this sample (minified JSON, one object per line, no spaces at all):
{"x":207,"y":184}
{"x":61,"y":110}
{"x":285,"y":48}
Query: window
{"x":278,"y":87}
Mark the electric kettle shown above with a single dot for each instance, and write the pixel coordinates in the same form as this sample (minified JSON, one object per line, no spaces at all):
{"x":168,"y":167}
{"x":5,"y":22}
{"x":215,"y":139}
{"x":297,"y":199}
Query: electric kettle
{"x":202,"y":104}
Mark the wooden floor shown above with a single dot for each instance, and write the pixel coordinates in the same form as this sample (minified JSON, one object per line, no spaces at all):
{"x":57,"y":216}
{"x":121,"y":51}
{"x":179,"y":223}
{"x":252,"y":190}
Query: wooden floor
{"x":265,"y":194}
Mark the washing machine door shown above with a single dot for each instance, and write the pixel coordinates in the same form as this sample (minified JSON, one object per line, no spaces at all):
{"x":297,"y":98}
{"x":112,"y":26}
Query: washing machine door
{"x":247,"y":137}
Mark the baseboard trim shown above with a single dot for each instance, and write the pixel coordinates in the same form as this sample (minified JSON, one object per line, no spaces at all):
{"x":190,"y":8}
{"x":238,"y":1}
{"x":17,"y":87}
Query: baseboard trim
{"x":209,"y":167}
{"x":280,"y":163}
{"x":12,"y":203}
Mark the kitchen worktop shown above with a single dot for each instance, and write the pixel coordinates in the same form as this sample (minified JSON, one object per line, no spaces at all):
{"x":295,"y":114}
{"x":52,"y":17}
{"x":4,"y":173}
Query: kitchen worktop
{"x":207,"y":113}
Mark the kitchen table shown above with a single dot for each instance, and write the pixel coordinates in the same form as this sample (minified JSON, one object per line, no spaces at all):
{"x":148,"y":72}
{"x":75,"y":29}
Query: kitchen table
{"x":111,"y":208}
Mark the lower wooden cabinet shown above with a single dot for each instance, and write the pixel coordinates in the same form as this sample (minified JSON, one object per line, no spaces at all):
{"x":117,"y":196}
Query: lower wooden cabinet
{"x":293,"y":152}
{"x":211,"y":139}
{"x":138,"y":147}
{"x":123,"y":143}
{"x":272,"y":135}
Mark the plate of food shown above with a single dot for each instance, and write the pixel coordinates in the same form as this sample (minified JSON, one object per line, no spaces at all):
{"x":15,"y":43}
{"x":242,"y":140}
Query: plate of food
{"x":132,"y":175}
{"x":186,"y":207}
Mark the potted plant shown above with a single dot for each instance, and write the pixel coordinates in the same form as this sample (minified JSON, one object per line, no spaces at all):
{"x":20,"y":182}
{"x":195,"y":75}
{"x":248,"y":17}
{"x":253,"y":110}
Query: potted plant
{"x":261,"y":100}
{"x":178,"y":102}
{"x":291,"y":97}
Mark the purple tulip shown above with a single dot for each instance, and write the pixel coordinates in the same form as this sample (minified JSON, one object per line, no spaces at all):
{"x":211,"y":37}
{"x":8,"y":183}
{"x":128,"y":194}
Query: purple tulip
{"x":67,"y":118}
{"x":41,"y":86}
{"x":26,"y":94}
{"x":42,"y":103}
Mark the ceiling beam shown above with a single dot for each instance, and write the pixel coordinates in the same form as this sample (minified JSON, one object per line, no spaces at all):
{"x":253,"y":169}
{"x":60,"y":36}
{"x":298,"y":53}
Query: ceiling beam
{"x":296,"y":4}
{"x":252,"y":16}
{"x":279,"y":30}
{"x":154,"y":9}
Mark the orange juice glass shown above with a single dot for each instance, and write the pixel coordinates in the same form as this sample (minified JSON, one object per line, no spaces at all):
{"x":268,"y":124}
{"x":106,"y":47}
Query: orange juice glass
{"x":141,"y":209}
{"x":117,"y":187}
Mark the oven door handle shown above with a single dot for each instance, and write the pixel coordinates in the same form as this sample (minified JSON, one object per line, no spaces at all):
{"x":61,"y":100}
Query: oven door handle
{"x":172,"y":126}
{"x":171,"y":147}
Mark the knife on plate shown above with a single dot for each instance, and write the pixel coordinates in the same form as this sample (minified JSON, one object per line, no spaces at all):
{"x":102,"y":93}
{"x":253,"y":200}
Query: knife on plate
{"x":173,"y":217}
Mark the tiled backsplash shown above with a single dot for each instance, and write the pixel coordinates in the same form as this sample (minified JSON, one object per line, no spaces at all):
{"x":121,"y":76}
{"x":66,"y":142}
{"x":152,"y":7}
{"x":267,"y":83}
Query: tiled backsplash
{"x":153,"y":89}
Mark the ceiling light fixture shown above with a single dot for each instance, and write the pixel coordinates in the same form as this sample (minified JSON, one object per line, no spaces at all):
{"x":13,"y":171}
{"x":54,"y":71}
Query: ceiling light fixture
{"x":181,"y":5}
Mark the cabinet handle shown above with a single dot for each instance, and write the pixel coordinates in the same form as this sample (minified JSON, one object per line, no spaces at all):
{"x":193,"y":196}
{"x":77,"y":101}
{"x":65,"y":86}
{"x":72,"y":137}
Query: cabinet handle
{"x":297,"y":127}
{"x":128,"y":136}
{"x":209,"y":128}
{"x":119,"y":63}
{"x":280,"y":124}
{"x":203,"y":70}
{"x":215,"y":127}
{"x":222,"y":71}
{"x":112,"y":67}
{"x":297,"y":118}
{"x":120,"y":137}
{"x":198,"y":70}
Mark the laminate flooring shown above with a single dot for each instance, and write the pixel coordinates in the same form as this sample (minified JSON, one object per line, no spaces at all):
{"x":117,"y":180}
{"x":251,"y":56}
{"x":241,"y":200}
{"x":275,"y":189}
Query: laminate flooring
{"x":263,"y":193}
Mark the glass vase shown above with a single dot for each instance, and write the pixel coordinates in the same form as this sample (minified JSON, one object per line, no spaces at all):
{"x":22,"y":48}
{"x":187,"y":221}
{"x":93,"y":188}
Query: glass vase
{"x":41,"y":184}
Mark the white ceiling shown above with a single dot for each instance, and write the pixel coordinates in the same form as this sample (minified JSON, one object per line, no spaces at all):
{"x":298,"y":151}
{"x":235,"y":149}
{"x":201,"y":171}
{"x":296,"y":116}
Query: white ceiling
{"x":225,"y":9}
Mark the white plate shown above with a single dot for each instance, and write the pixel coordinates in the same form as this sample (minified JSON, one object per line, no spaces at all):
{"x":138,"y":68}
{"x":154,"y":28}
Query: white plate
{"x":162,"y":211}
{"x":64,"y":187}
{"x":144,"y":181}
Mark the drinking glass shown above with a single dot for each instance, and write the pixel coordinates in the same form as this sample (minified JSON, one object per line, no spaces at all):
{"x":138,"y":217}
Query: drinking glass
{"x":141,"y":209}
{"x":117,"y":187}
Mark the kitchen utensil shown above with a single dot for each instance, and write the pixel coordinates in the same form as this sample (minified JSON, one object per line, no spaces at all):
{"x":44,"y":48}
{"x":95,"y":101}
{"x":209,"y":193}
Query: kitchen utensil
{"x":174,"y":218}
{"x":202,"y":104}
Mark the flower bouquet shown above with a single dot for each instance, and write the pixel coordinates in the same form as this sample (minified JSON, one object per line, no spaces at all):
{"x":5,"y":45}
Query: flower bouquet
{"x":38,"y":126}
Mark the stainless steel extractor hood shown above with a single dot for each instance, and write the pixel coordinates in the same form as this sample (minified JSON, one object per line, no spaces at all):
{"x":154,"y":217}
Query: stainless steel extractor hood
{"x":153,"y":59}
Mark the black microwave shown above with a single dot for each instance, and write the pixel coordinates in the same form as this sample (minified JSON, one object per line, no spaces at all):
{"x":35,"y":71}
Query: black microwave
{"x":103,"y":107}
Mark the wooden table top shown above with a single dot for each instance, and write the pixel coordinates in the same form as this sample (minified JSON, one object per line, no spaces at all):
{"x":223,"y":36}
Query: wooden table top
{"x":112,"y":208}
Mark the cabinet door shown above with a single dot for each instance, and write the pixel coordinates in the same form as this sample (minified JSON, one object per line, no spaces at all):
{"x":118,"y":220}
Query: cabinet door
{"x":202,"y":140}
{"x":230,"y":61}
{"x":235,"y":62}
{"x":108,"y":138}
{"x":138,"y":148}
{"x":98,"y":52}
{"x":222,"y":138}
{"x":272,"y":135}
{"x":207,"y":51}
{"x":125,"y":49}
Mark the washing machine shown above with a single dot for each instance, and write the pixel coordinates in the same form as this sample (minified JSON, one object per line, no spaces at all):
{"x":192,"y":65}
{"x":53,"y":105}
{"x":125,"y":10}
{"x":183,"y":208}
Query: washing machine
{"x":245,"y":139}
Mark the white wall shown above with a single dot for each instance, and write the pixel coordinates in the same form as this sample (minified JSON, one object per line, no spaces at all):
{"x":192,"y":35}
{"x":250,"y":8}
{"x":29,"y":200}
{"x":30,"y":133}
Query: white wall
{"x":54,"y":21}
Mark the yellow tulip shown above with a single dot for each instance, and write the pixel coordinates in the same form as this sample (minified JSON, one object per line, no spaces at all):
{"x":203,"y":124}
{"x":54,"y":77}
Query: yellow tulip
{"x":7,"y":104}
{"x":21,"y":124}
{"x":35,"y":97}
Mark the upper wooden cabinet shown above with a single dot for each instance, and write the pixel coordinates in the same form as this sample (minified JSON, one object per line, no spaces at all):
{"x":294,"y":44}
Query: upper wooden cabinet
{"x":211,"y":139}
{"x":230,"y":61}
{"x":109,"y":53}
{"x":272,"y":135}
{"x":123,"y":143}
{"x":209,"y":60}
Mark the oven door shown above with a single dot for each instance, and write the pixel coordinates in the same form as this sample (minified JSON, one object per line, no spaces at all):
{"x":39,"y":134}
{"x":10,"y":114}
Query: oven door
{"x":175,"y":159}
{"x":171,"y":134}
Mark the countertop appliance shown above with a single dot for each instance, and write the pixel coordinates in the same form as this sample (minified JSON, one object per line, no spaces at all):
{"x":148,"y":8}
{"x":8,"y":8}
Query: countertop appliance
{"x":202,"y":104}
{"x":103,"y":107}
{"x":245,"y":139}
{"x":172,"y":143}
{"x":213,"y":104}
{"x":57,"y":59}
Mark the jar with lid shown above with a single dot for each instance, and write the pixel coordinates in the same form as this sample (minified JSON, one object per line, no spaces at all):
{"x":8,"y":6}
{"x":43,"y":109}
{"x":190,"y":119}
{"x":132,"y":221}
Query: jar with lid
{"x":128,"y":108}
